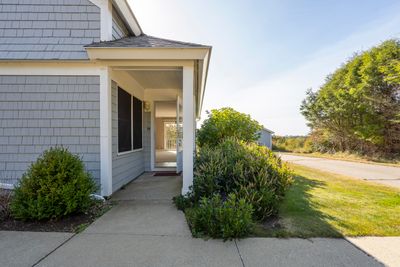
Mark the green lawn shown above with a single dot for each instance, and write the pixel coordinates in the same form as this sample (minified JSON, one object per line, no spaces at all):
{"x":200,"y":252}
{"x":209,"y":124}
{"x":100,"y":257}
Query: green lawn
{"x":321,"y":204}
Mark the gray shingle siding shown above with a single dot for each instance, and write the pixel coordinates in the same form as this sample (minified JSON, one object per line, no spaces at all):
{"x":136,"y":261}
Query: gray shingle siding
{"x":47,"y":29}
{"x":127,"y":166}
{"x":119,"y":29}
{"x":38,"y":112}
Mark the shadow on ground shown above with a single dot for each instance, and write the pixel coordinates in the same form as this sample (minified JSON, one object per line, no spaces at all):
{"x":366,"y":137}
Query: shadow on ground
{"x":298,"y":215}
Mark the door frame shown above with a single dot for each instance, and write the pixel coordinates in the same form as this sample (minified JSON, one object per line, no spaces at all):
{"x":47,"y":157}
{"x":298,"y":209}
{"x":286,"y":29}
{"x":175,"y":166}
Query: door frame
{"x":153,"y":131}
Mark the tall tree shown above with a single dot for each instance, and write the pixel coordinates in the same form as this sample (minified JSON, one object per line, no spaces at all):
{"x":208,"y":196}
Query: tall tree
{"x":358,"y":107}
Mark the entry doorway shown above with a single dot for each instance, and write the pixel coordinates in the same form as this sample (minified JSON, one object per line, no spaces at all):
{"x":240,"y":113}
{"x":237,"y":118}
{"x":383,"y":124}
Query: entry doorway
{"x":167,"y":133}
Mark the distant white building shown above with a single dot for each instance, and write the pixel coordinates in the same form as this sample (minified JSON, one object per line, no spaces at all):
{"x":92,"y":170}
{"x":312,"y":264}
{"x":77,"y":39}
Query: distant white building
{"x":265,"y":138}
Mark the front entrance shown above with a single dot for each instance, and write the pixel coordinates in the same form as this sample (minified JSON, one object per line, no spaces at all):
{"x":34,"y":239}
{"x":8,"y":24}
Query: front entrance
{"x":167,"y":135}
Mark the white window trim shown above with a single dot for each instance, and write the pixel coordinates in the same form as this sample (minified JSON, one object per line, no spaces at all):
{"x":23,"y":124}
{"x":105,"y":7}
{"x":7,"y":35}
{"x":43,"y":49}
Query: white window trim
{"x":132,"y":150}
{"x":129,"y":152}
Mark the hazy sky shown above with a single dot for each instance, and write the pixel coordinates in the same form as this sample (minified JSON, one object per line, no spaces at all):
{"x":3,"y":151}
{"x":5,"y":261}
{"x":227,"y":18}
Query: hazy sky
{"x":267,"y":53}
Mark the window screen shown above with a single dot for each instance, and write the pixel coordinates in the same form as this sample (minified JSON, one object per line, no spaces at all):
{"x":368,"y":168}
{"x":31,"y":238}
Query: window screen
{"x":137,"y":123}
{"x":124,"y":121}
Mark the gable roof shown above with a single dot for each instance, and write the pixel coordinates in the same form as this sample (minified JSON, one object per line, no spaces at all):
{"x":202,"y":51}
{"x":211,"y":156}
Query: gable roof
{"x":144,"y":41}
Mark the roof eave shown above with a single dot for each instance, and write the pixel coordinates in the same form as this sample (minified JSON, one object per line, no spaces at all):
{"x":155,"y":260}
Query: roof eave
{"x":125,"y":9}
{"x":268,"y":130}
{"x":204,"y":81}
{"x":143,"y":53}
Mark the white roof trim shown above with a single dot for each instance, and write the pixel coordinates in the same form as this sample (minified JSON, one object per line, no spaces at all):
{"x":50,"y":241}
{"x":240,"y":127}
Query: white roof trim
{"x":135,"y":53}
{"x":127,"y":15}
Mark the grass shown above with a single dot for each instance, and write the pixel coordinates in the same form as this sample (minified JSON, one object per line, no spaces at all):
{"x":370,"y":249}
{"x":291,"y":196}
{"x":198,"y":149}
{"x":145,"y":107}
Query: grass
{"x":352,"y":157}
{"x":321,"y":204}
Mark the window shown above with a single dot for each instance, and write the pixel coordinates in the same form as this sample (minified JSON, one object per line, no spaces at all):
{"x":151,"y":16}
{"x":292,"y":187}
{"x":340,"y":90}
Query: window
{"x":130,"y":113}
{"x":124,"y":121}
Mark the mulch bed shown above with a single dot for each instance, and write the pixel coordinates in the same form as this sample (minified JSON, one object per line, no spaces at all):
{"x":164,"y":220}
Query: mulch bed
{"x":71,"y":224}
{"x":272,"y":223}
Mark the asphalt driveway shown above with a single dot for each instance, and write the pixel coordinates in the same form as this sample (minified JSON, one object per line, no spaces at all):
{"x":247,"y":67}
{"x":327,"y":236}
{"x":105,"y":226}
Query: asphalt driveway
{"x":386,"y":175}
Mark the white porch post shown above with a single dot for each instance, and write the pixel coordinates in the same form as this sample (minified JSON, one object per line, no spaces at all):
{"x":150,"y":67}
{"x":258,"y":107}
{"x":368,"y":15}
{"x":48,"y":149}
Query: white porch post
{"x":188,"y":124}
{"x":105,"y":133}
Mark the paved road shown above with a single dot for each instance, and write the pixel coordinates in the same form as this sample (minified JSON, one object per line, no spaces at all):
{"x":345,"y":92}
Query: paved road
{"x":386,"y":175}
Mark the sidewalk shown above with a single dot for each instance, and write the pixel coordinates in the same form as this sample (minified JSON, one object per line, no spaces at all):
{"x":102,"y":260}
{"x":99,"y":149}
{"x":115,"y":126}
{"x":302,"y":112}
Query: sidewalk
{"x":145,"y":229}
{"x":384,"y":249}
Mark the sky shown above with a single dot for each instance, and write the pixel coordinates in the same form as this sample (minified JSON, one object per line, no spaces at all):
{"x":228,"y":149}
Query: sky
{"x":266,"y":54}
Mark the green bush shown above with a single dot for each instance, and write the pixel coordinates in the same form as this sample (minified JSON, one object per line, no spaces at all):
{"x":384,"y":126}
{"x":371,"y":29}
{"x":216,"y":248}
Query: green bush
{"x":54,"y":186}
{"x":182,"y":202}
{"x":227,"y":122}
{"x":217,"y":218}
{"x":250,"y":171}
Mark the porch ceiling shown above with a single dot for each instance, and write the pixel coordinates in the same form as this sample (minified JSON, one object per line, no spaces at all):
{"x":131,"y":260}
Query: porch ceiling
{"x":165,"y":109}
{"x":158,"y":79}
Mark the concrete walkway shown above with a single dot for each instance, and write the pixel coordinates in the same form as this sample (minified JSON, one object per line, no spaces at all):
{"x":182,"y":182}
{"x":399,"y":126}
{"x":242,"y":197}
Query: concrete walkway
{"x":27,"y":248}
{"x":384,"y":249}
{"x":386,"y":175}
{"x":145,"y":229}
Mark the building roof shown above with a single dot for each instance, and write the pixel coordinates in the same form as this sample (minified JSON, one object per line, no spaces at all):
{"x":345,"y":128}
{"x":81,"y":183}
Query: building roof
{"x":144,"y":41}
{"x":267,"y":130}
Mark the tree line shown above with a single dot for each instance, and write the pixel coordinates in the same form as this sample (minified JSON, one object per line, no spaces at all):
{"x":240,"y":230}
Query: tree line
{"x":357,"y":109}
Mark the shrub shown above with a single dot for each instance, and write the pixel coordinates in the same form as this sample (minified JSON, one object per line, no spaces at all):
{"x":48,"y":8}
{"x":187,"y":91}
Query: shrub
{"x":227,"y":122}
{"x":5,"y":199}
{"x":54,"y":186}
{"x":250,"y":171}
{"x":182,"y":202}
{"x":215,"y":217}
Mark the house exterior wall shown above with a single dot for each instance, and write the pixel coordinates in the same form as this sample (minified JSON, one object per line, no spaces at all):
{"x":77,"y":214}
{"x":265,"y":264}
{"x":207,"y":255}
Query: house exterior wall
{"x":147,"y":140}
{"x":119,"y":29}
{"x":46,"y":29}
{"x":265,"y":139}
{"x":39,"y":112}
{"x":125,"y":166}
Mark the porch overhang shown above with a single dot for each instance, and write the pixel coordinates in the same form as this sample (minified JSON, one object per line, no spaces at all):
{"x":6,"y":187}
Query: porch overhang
{"x":199,"y":56}
{"x":153,"y":49}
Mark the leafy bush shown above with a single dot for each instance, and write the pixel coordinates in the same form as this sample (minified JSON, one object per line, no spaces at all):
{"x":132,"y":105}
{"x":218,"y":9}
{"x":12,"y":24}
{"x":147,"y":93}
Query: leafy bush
{"x":54,"y":186}
{"x":227,"y":122}
{"x":250,"y":171}
{"x":182,"y":202}
{"x":215,"y":217}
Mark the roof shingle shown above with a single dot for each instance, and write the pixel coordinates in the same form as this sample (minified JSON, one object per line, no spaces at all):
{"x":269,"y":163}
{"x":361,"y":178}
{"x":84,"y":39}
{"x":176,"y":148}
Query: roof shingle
{"x":144,"y":41}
